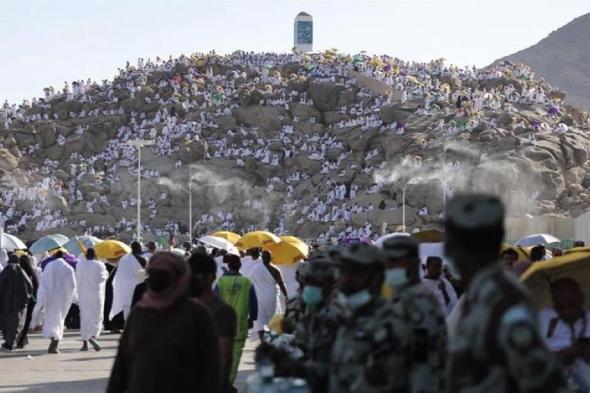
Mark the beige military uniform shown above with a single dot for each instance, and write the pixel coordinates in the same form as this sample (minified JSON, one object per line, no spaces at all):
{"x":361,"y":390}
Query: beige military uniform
{"x":324,"y":321}
{"x":496,"y":347}
{"x":428,"y":338}
{"x":369,"y":353}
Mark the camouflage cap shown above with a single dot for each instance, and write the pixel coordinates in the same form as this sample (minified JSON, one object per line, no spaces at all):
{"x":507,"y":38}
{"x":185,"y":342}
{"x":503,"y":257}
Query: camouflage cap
{"x":474,"y":211}
{"x":400,"y":247}
{"x":321,"y":269}
{"x":475,"y":223}
{"x":362,"y":254}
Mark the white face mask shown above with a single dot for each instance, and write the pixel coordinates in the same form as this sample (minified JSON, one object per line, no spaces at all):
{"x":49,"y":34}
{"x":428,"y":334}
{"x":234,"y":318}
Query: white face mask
{"x":358,"y":299}
{"x":396,"y":277}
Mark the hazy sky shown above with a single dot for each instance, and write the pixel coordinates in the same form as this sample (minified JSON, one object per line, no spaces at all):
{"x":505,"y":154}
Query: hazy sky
{"x":44,"y":43}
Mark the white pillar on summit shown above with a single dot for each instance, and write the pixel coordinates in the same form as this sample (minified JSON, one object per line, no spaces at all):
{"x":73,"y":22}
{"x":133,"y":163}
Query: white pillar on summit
{"x":303,"y":33}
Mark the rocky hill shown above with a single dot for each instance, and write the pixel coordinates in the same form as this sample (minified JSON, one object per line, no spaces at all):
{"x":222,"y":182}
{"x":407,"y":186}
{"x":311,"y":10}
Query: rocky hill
{"x":563,"y":59}
{"x":319,"y":146}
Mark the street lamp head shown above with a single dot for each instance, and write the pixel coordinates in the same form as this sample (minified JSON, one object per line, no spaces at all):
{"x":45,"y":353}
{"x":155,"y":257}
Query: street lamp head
{"x":140,"y":142}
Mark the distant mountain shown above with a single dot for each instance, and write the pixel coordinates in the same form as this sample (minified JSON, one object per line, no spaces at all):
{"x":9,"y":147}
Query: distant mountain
{"x":563,"y":59}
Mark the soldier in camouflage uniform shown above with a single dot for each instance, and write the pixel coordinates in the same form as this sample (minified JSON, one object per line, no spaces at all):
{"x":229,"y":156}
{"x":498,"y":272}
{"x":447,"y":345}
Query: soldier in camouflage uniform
{"x":323,"y":317}
{"x":293,"y":321}
{"x":496,"y":345}
{"x":369,"y":353}
{"x":421,"y":311}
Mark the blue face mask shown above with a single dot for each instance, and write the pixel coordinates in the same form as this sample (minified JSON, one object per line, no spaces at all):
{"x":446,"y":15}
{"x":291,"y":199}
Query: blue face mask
{"x":396,"y":278}
{"x":311,"y":295}
{"x":358,"y":299}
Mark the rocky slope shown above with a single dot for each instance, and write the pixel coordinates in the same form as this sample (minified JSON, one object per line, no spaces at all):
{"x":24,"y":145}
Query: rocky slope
{"x":291,"y":144}
{"x":563,"y":59}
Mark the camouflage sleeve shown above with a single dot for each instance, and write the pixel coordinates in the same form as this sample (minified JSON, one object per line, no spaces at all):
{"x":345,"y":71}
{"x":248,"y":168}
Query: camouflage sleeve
{"x":387,"y":366}
{"x":530,"y":364}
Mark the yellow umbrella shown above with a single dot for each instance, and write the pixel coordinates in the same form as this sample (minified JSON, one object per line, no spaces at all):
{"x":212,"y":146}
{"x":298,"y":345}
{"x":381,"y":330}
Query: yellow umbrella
{"x":111,"y":249}
{"x":577,"y":250}
{"x":229,"y":236}
{"x":257,"y":239}
{"x":289,"y":250}
{"x":575,"y":264}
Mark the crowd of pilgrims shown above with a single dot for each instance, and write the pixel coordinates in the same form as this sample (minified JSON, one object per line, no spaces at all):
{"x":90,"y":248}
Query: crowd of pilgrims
{"x":352,"y":317}
{"x":169,"y":89}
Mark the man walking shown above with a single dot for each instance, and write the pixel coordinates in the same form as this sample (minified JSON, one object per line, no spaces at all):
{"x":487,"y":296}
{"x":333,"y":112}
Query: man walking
{"x":238,"y":291}
{"x":15,"y":290}
{"x":56,"y":293}
{"x":91,"y":278}
{"x":267,"y":280}
{"x":203,"y":269}
{"x":127,"y":277}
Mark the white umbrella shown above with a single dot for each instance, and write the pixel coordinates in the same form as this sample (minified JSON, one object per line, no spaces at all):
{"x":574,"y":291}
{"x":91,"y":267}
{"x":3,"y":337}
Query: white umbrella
{"x":536,"y":240}
{"x":219,"y":243}
{"x":11,"y":243}
{"x":47,"y":243}
{"x":379,"y":242}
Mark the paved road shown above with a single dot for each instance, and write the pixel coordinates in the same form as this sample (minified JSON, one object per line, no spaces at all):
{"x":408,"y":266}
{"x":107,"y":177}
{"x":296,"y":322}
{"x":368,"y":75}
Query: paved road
{"x":34,"y":370}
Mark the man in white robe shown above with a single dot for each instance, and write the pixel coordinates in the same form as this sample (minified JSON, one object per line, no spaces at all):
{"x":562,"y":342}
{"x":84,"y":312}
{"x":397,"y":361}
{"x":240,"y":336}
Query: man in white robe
{"x":128,"y":275}
{"x":91,"y":278}
{"x":250,"y":261}
{"x":267,"y":280}
{"x":566,"y":327}
{"x":440,"y":287}
{"x":57,"y":291}
{"x":288,"y":272}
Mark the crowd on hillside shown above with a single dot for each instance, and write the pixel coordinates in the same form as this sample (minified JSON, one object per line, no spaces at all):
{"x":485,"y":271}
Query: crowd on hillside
{"x":178,"y":101}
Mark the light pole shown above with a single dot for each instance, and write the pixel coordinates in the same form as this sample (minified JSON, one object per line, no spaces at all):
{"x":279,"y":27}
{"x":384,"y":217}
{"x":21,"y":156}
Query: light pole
{"x":445,"y":179}
{"x":174,"y":185}
{"x":402,"y":185}
{"x":189,"y":190}
{"x":139,"y":143}
{"x":444,"y":172}
{"x":190,"y":204}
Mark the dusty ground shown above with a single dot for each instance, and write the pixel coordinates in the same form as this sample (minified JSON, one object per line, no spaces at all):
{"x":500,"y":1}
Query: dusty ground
{"x":34,"y":370}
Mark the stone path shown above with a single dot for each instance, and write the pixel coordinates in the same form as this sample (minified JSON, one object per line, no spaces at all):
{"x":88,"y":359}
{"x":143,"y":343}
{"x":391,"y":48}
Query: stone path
{"x":34,"y":370}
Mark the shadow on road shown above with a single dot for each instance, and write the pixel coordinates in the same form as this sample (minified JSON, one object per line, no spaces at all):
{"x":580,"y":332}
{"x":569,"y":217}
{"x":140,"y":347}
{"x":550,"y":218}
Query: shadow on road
{"x":86,"y":386}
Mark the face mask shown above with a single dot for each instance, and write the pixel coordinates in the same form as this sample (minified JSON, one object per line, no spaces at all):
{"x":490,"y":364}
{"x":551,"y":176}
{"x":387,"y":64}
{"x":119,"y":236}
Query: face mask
{"x":158,"y":280}
{"x":311,"y":295}
{"x":396,"y":277}
{"x":358,"y":299}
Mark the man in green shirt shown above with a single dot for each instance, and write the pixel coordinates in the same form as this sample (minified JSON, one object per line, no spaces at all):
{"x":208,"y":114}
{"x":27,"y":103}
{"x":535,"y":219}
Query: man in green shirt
{"x":238,"y":291}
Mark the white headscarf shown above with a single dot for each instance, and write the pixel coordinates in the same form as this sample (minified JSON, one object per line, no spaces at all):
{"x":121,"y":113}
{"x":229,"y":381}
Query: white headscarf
{"x":3,"y":258}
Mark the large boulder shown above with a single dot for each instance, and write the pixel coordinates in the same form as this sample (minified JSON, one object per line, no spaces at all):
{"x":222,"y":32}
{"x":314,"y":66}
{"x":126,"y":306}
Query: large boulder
{"x":428,"y":193}
{"x":325,"y":96}
{"x":225,"y":123}
{"x":363,"y":139}
{"x":290,"y":68}
{"x":392,"y":114}
{"x":55,"y":152}
{"x":193,"y":151}
{"x":304,"y":112}
{"x":8,"y":162}
{"x":57,"y":202}
{"x":267,"y":118}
